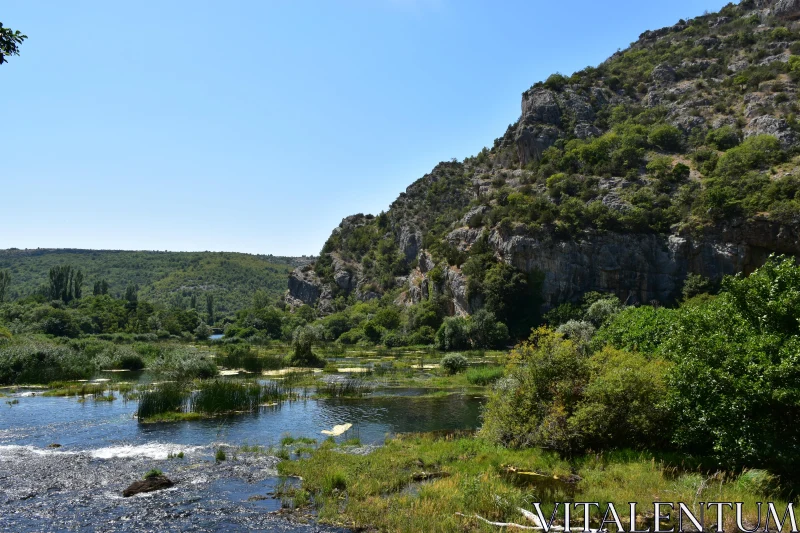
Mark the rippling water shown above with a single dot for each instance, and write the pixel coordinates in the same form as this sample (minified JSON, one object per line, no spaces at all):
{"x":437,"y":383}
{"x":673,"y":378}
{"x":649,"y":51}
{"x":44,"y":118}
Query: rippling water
{"x":103,"y":449}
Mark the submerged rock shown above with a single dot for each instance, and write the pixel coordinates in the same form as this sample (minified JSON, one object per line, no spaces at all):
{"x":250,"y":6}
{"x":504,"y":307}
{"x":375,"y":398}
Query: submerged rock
{"x":148,"y":485}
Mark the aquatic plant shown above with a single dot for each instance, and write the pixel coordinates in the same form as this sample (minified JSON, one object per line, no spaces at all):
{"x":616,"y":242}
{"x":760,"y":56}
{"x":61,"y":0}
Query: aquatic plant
{"x":164,"y":398}
{"x":220,"y":396}
{"x":346,"y":388}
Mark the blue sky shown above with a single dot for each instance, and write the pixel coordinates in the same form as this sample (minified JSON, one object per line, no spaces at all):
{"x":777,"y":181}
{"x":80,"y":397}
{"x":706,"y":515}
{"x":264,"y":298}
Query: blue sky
{"x":257,"y":125}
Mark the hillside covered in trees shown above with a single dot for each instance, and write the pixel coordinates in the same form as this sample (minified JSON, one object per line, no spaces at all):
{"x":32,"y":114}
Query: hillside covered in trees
{"x":168,"y":278}
{"x":667,"y":167}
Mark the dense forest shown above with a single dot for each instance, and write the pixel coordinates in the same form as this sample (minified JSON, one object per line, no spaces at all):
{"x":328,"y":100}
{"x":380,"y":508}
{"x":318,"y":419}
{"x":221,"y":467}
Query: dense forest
{"x":167,"y":278}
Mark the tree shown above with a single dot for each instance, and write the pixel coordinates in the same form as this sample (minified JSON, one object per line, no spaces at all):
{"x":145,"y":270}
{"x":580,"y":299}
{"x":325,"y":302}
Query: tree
{"x":132,"y":295}
{"x":100,"y":288}
{"x":210,"y":307}
{"x":78,"y":286}
{"x":193,"y":303}
{"x":303,"y":339}
{"x":260,"y":299}
{"x":65,"y":283}
{"x":5,"y":281}
{"x":9,"y":43}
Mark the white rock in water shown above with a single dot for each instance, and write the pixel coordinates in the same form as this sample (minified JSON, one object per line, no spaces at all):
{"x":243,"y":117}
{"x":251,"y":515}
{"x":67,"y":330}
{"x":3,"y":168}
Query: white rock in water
{"x":337,"y":430}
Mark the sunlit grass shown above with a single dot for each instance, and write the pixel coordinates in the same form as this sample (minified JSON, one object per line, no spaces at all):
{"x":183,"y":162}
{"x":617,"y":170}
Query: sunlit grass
{"x":471,"y":476}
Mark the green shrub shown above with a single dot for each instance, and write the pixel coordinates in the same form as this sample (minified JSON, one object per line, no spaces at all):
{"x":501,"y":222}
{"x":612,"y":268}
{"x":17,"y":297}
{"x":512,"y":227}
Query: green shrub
{"x":735,"y":371}
{"x":622,"y":406}
{"x":754,"y":153}
{"x":723,"y":138}
{"x":454,"y":363}
{"x":27,"y":361}
{"x":153,"y":474}
{"x":666,"y":137}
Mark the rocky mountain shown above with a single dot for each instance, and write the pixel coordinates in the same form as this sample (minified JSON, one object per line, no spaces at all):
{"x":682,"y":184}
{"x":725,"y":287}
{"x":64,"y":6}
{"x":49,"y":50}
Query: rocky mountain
{"x":677,"y":155}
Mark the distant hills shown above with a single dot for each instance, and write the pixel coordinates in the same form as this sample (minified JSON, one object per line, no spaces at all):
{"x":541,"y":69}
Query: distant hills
{"x":163,"y":277}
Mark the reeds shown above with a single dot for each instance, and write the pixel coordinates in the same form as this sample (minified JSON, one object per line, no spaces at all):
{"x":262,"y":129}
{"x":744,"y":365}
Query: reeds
{"x":344,"y":389}
{"x":214,"y":397}
{"x":220,"y":396}
{"x":164,"y":398}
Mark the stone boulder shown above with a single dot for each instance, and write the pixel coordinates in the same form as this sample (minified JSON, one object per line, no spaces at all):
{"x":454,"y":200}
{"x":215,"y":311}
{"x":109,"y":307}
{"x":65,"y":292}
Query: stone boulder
{"x":532,"y":141}
{"x":305,"y":285}
{"x":769,"y":125}
{"x":787,"y":9}
{"x":663,"y":74}
{"x":150,"y":484}
{"x":540,"y":105}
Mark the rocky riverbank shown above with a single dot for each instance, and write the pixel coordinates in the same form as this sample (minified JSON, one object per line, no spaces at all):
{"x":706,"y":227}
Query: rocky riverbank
{"x":49,"y":490}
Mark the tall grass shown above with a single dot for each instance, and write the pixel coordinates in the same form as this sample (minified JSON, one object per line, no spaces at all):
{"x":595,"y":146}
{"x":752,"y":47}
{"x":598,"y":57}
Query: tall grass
{"x":211,"y":398}
{"x":484,"y":375}
{"x":346,"y":388}
{"x":219,"y":396}
{"x":164,"y":398}
{"x":244,"y":357}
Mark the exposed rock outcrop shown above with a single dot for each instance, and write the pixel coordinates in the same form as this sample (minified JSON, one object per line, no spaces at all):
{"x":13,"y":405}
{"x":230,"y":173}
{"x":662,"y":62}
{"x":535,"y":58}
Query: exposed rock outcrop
{"x":150,"y":484}
{"x":787,"y":9}
{"x":305,"y":286}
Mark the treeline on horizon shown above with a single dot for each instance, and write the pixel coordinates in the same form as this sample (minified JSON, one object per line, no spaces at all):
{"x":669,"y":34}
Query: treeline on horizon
{"x":167,"y":278}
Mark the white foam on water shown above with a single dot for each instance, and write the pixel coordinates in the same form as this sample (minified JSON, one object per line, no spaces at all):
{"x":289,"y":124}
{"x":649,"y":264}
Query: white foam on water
{"x":152,"y":450}
{"x":9,"y":451}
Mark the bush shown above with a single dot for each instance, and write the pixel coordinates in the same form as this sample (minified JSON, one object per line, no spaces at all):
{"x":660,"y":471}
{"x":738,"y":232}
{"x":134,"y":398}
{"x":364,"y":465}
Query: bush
{"x":695,"y":284}
{"x":37,"y":362}
{"x":666,"y":137}
{"x":744,"y":348}
{"x":531,"y":406}
{"x":623,"y":404}
{"x":602,"y":310}
{"x":302,"y":341}
{"x":754,"y":153}
{"x":723,"y":138}
{"x":454,"y":363}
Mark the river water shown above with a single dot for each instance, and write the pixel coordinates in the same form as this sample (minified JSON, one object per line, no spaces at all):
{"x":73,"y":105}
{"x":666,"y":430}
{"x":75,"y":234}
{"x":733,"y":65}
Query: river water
{"x":77,"y":486}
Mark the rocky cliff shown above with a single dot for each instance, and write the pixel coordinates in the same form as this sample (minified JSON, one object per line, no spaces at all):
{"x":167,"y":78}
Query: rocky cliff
{"x":623,"y":178}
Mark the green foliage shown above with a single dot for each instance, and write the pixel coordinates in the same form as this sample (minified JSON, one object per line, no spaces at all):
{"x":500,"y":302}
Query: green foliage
{"x":735,"y":379}
{"x":219,"y":455}
{"x":694,"y":285}
{"x":5,"y":281}
{"x":453,"y":334}
{"x":484,"y":375}
{"x":638,"y":329}
{"x":454,"y":363}
{"x":162,"y":277}
{"x":666,"y":137}
{"x":9,"y":43}
{"x":303,"y":340}
{"x":34,"y":361}
{"x":723,"y":138}
{"x":544,"y":402}
{"x":164,"y":398}
{"x":154,"y":473}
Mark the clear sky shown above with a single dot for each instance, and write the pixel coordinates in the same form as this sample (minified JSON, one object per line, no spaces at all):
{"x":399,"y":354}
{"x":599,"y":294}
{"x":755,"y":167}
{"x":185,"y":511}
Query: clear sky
{"x":257,"y":125}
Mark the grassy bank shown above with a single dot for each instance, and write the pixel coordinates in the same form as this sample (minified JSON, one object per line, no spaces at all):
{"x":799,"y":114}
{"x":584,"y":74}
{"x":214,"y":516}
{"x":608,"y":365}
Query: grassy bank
{"x":420,"y":483}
